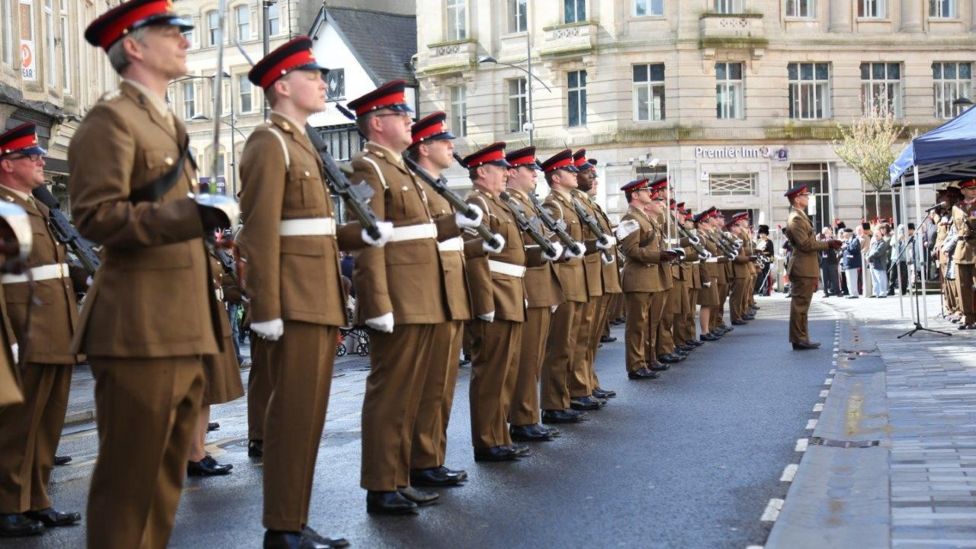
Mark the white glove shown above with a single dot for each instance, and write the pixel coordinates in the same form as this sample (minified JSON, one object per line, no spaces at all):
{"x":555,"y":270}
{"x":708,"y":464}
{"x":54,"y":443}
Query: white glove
{"x":487,"y":317}
{"x":465,"y":223}
{"x":552,"y":308}
{"x":382,"y":323}
{"x":626,"y":228}
{"x":581,"y":247}
{"x":558,"y":252}
{"x":488,"y":248}
{"x":89,"y":281}
{"x":272,"y":330}
{"x":526,"y":303}
{"x":605,"y":245}
{"x":15,"y":350}
{"x":608,"y":259}
{"x":386,"y":232}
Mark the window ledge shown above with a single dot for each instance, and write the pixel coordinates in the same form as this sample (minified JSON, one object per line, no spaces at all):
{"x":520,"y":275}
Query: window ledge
{"x":569,"y":25}
{"x":874,"y":20}
{"x":646,"y":18}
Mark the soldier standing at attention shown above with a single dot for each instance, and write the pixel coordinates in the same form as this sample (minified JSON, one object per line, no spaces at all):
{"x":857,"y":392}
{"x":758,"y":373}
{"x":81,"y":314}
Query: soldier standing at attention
{"x":741,"y":284}
{"x":401,"y":296}
{"x":964,"y":220}
{"x":151,"y":314}
{"x":29,"y":432}
{"x":803,"y":268}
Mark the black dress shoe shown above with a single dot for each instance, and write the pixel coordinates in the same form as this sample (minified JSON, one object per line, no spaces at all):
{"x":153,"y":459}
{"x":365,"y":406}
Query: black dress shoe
{"x":600,"y":392}
{"x":684,"y":349}
{"x":495,"y":453}
{"x":277,"y":539}
{"x":709,"y":337}
{"x":693,"y":343}
{"x":607,"y":339}
{"x":552,"y":431}
{"x":207,"y":467}
{"x":658,"y":367}
{"x":255,"y":448}
{"x":62,"y":460}
{"x":420,"y":497}
{"x":738,"y":322}
{"x":51,"y":517}
{"x":561,"y":416}
{"x":529,"y":433}
{"x":433,"y":478}
{"x":15,"y":525}
{"x":642,"y":373}
{"x":726,"y":329}
{"x":213,"y":426}
{"x":963,"y":326}
{"x":669,"y":358}
{"x":586,"y":403}
{"x":805,"y":345}
{"x":337,"y":543}
{"x":389,"y":503}
{"x":521,"y":450}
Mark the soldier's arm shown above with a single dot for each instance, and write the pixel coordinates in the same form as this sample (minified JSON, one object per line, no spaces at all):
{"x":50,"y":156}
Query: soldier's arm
{"x":447,"y":227}
{"x":803,"y":240}
{"x":100,"y":158}
{"x":632,"y":248}
{"x":369,"y":275}
{"x":476,"y":269}
{"x":262,"y":196}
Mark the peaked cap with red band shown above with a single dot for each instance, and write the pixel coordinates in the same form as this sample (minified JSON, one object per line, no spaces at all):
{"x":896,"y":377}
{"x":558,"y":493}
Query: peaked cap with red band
{"x":523,"y":157}
{"x":968,"y":184}
{"x":700,"y":216}
{"x":388,"y":96}
{"x":429,"y":128}
{"x":492,"y":154}
{"x":22,"y":139}
{"x":562,"y":160}
{"x":740,"y":216}
{"x":635,"y":185}
{"x":659,"y":185}
{"x":579,"y":160}
{"x":795,"y":191}
{"x":294,"y":55}
{"x":119,"y":21}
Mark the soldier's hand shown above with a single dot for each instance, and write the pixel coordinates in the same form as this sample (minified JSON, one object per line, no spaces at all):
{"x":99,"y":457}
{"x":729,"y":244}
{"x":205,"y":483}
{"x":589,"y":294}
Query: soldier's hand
{"x":606,"y":244}
{"x":385,"y":229}
{"x":607,"y":259}
{"x":668,"y":255}
{"x":382,"y":323}
{"x":626,"y":228}
{"x":464,"y":222}
{"x":835,"y":244}
{"x":557,"y":252}
{"x":217,"y":212}
{"x":15,"y":351}
{"x":487,"y":317}
{"x":573,"y":255}
{"x":271,"y":330}
{"x":494,"y":246}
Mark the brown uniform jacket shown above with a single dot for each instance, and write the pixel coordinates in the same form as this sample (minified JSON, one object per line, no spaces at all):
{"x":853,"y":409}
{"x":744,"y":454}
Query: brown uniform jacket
{"x":9,"y":373}
{"x":295,"y":277}
{"x":742,"y":265}
{"x":593,"y":262}
{"x":572,"y":279}
{"x":541,"y":285}
{"x":964,"y":220}
{"x":799,"y":230}
{"x":611,"y":271}
{"x":453,"y":261}
{"x":403,"y":277}
{"x":54,"y":316}
{"x":152,"y":295}
{"x":494,"y":291}
{"x":643,"y":269}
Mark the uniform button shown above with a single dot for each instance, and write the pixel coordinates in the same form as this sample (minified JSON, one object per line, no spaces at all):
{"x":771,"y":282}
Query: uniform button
{"x":168,"y":161}
{"x":307,"y":174}
{"x":405,"y":188}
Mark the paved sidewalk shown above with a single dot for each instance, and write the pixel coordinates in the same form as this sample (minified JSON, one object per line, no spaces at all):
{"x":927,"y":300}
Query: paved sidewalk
{"x":892,"y":458}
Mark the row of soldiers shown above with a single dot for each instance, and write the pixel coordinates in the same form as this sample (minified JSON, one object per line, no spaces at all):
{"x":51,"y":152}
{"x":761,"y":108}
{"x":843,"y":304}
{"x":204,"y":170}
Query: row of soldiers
{"x":955,"y":250}
{"x":533,"y":301}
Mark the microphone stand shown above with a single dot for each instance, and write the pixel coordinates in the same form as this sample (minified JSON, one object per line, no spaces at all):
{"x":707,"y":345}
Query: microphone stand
{"x":915,"y":294}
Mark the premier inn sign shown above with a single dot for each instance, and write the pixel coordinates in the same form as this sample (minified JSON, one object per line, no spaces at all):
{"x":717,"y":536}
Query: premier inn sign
{"x":748,"y":153}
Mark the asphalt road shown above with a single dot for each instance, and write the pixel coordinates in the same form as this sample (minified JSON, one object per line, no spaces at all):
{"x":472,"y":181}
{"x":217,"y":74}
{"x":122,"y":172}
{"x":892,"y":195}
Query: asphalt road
{"x":688,"y":460}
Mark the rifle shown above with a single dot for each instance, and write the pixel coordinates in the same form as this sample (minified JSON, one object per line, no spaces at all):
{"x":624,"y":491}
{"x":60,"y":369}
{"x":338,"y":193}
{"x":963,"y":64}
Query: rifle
{"x":66,"y":233}
{"x":555,"y":226}
{"x":594,"y":227}
{"x":530,"y":226}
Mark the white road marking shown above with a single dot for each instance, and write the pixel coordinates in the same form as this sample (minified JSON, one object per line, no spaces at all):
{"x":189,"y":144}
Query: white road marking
{"x":772,"y":510}
{"x":828,"y":381}
{"x":832,"y":372}
{"x":818,"y":407}
{"x":811,"y":424}
{"x":789,"y":473}
{"x":801,"y":445}
{"x":823,"y":394}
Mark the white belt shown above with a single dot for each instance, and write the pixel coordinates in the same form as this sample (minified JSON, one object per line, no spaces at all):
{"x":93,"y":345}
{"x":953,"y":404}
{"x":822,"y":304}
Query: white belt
{"x":674,"y":241}
{"x":414,"y":232}
{"x":310,"y":226}
{"x":455,"y":244}
{"x":712,"y":260}
{"x":509,"y":269}
{"x":44,"y":272}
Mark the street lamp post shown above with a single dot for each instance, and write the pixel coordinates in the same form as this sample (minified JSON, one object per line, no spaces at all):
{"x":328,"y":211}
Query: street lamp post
{"x":233,"y":127}
{"x":961,"y":105}
{"x":529,"y":124}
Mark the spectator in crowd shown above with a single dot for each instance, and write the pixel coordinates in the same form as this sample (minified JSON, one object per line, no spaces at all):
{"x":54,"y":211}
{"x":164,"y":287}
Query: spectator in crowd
{"x":864,"y":237}
{"x":878,"y":260}
{"x":851,"y":262}
{"x":828,"y":265}
{"x":899,"y":258}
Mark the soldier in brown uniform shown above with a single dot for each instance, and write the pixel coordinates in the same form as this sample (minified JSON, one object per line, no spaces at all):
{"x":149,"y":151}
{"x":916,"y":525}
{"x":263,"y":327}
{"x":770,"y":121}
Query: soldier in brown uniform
{"x":401,"y":297}
{"x":561,"y":347}
{"x":151,"y":314}
{"x":29,"y":432}
{"x":804,"y":267}
{"x":642,"y":244}
{"x":711,"y":269}
{"x":964,"y":221}
{"x":692,"y":275}
{"x":947,"y":198}
{"x":666,"y":349}
{"x":543,"y":294}
{"x":714,"y":223}
{"x":742,"y":283}
{"x":433,"y":149}
{"x":11,"y":216}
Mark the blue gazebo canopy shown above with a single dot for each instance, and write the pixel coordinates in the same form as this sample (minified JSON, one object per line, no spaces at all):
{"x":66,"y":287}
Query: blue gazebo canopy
{"x":947,"y":153}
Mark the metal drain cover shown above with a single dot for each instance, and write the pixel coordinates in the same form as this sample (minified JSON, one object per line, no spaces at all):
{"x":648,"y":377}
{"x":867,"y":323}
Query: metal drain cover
{"x":831,"y":443}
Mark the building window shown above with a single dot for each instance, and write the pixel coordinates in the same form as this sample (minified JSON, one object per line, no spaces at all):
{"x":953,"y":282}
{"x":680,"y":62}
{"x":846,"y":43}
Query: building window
{"x":518,"y":15}
{"x":881,"y":88}
{"x":801,"y":8}
{"x":729,"y":90}
{"x":576,"y":84}
{"x":274,"y":20}
{"x":872,"y":9}
{"x":517,"y":104}
{"x":649,"y":92}
{"x":816,"y":176}
{"x":50,"y":73}
{"x":809,"y":93}
{"x":343,"y":141}
{"x":7,"y":28}
{"x":213,"y":28}
{"x":242,"y":16}
{"x":952,"y":81}
{"x":65,"y":51}
{"x":28,"y":66}
{"x":188,"y":33}
{"x":575,"y":10}
{"x":732,"y":184}
{"x":335,"y":84}
{"x":942,"y":9}
{"x":459,"y":111}
{"x":647,"y":8}
{"x":728,"y":6}
{"x":246,"y":92}
{"x":189,"y":100}
{"x":457,"y":14}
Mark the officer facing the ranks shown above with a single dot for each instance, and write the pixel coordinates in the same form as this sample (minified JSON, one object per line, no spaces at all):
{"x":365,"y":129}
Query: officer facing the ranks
{"x":9,"y":373}
{"x":291,"y":242}
{"x":29,"y":432}
{"x":543,"y":295}
{"x":964,"y":221}
{"x":401,"y":297}
{"x":804,"y":266}
{"x":151,"y":314}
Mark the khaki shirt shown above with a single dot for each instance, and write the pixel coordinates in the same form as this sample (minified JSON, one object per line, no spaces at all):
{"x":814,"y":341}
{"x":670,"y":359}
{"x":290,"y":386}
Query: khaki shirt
{"x":495,"y":291}
{"x":642,"y":249}
{"x":572,"y":278}
{"x":964,"y":220}
{"x":799,"y":231}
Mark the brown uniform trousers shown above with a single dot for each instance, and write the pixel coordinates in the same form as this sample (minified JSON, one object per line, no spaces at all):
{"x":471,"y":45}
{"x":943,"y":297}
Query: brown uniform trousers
{"x":803,"y":271}
{"x":740,"y":283}
{"x":660,"y":338}
{"x":610,"y":277}
{"x":964,"y":220}
{"x":429,"y":446}
{"x":258,"y":388}
{"x":542,"y":292}
{"x":222,"y":372}
{"x":148,"y":319}
{"x":294,"y":277}
{"x":581,"y":378}
{"x":644,"y":291}
{"x":684,"y":320}
{"x":948,"y":286}
{"x":29,"y":432}
{"x":404,"y":278}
